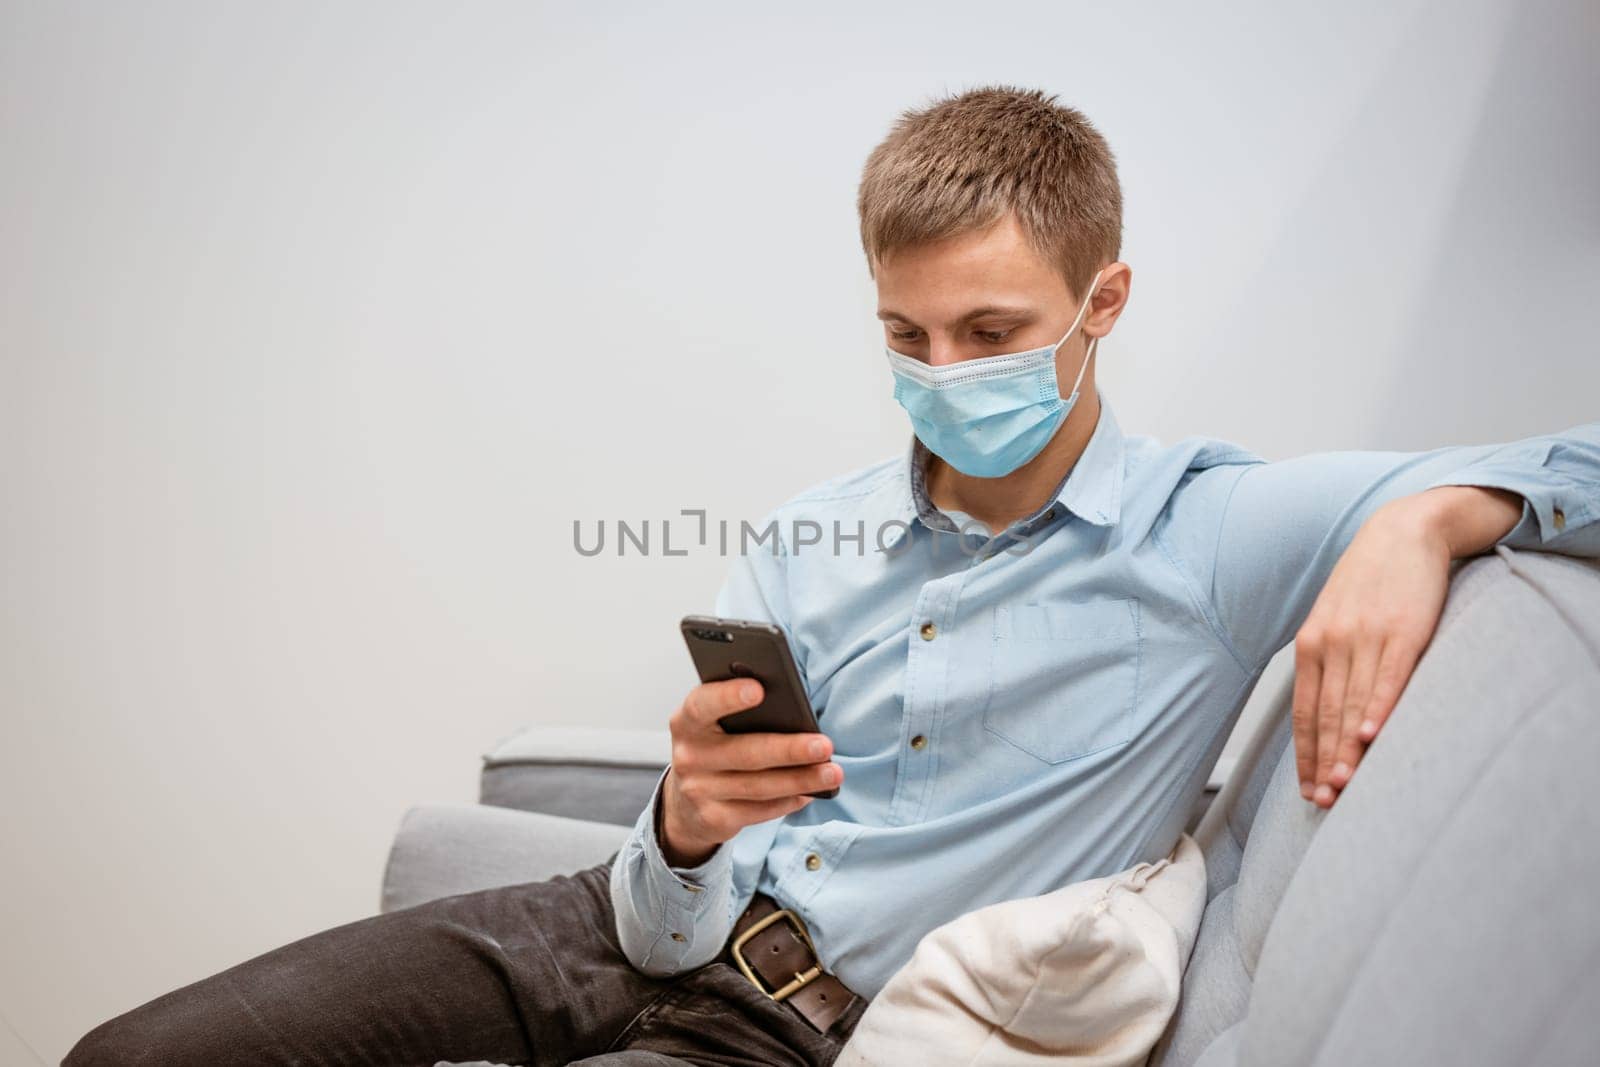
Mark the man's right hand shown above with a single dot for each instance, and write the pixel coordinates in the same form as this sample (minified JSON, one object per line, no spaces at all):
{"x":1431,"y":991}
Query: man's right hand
{"x":719,"y":783}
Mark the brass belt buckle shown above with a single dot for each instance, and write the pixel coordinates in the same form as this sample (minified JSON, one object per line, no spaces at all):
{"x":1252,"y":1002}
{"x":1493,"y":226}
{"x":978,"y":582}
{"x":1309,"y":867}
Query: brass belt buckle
{"x":801,"y":978}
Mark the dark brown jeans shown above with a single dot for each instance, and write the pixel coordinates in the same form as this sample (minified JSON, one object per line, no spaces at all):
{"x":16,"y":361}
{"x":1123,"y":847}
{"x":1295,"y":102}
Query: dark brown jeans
{"x":527,"y":974}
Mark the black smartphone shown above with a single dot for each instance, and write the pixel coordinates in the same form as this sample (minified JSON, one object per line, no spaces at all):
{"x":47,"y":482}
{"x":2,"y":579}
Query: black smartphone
{"x":737,"y":648}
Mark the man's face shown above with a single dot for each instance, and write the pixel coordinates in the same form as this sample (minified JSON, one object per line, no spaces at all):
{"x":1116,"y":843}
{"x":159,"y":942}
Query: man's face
{"x":988,"y":293}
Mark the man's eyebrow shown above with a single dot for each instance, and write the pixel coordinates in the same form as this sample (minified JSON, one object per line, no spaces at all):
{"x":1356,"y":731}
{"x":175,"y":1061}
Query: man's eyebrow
{"x":975,"y":313}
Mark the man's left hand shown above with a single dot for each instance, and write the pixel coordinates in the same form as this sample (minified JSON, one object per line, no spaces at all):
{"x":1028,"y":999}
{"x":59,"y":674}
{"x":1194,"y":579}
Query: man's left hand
{"x":1373,"y":620}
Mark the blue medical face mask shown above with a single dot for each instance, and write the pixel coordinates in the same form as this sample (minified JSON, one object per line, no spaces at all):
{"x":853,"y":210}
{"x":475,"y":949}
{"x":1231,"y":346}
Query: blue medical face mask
{"x":987,"y":417}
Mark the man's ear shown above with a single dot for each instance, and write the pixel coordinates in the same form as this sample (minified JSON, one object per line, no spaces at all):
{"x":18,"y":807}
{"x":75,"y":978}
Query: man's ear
{"x":1109,"y":299}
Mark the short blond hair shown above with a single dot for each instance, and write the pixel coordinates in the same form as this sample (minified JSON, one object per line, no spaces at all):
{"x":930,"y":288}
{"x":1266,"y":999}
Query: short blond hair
{"x":959,"y":164}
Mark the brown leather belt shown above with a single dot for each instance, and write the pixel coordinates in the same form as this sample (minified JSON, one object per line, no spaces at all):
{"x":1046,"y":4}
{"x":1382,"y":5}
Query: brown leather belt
{"x":771,"y":945}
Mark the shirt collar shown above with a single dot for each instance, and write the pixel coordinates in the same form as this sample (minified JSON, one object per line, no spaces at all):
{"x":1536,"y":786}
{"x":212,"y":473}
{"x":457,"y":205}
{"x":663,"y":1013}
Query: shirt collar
{"x":1092,"y":489}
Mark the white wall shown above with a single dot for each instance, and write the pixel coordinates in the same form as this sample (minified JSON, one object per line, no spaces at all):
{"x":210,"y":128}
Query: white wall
{"x":320,"y":326}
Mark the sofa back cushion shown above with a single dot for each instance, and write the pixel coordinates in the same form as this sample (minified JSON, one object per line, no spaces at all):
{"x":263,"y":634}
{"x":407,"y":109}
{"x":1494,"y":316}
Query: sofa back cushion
{"x":1441,"y":911}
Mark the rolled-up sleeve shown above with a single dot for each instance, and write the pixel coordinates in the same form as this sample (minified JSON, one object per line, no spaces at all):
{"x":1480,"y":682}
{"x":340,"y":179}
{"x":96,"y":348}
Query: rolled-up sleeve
{"x":1279,"y":528}
{"x":1558,"y":478}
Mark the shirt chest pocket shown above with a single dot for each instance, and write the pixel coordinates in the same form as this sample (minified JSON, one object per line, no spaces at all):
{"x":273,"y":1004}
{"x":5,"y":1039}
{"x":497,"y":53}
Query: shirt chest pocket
{"x":1064,"y":677}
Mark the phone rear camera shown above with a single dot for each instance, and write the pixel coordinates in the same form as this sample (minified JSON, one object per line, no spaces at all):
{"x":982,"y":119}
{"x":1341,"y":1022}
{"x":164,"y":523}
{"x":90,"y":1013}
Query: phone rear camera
{"x":713,"y":635}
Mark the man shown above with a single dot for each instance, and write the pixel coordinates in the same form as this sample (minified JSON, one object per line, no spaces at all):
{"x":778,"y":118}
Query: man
{"x":1026,"y":639}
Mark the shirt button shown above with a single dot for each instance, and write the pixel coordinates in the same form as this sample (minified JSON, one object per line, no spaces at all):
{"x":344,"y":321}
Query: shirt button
{"x":813,"y":861}
{"x":678,"y":937}
{"x":929,"y":631}
{"x":1561,"y":519}
{"x":919,"y":741}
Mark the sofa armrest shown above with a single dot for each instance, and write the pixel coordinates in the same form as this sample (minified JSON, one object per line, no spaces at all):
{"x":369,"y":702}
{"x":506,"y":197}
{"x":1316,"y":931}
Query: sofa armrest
{"x":596,"y":773}
{"x":445,"y":849}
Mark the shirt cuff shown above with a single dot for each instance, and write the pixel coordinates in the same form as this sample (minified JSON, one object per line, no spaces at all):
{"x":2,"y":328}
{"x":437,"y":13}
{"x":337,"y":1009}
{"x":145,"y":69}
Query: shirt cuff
{"x":1552,"y":507}
{"x":669,"y":919}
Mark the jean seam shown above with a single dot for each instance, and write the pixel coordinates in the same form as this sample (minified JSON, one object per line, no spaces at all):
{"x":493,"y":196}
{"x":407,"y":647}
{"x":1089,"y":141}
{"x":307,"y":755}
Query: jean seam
{"x":649,"y":1009}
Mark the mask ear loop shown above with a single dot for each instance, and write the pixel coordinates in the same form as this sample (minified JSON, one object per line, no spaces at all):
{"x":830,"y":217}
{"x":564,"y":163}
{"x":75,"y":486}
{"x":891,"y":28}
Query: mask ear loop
{"x":1089,"y":354}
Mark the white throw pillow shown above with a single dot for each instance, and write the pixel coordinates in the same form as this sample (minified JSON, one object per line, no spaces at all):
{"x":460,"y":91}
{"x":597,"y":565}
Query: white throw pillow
{"x":1087,"y":974}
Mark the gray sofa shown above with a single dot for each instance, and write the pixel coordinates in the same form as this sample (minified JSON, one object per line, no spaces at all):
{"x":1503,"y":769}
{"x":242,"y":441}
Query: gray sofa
{"x":1442,"y":912}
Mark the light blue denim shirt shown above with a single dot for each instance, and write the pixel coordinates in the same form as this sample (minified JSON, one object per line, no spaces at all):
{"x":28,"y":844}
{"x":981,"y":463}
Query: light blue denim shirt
{"x":1020,"y":712}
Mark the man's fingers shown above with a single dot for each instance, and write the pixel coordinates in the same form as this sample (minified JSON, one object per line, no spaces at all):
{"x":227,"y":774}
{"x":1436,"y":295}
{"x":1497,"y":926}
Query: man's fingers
{"x":727,"y":817}
{"x":762,"y":750}
{"x":710,"y":701}
{"x":1307,"y":684}
{"x":1358,"y":691}
{"x":1330,"y":703}
{"x":754,"y":811}
{"x":773,"y":784}
{"x":1394,"y":670}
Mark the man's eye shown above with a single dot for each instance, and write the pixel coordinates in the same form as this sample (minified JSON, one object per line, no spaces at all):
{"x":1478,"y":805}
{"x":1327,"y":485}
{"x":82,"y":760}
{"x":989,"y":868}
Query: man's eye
{"x":993,"y":337}
{"x":907,"y":335}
